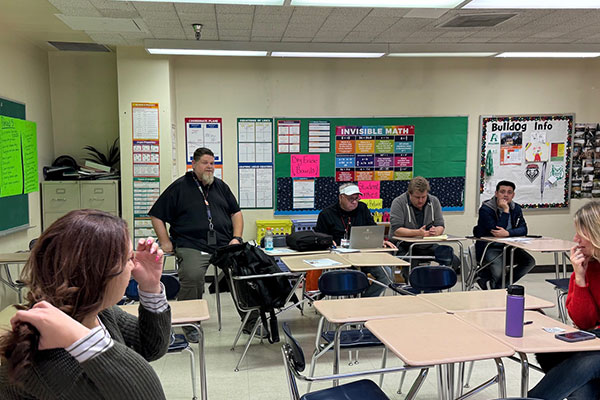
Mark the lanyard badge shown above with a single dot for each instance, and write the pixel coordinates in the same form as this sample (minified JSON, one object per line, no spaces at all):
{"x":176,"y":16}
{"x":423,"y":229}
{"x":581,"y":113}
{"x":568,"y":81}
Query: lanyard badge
{"x":211,"y":236}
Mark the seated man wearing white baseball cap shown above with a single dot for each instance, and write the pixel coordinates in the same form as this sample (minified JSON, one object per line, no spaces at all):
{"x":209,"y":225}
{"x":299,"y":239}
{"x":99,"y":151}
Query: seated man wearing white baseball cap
{"x":337,"y":219}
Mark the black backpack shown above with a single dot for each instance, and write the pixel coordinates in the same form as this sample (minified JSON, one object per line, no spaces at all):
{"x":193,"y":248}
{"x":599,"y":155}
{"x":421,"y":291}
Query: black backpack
{"x":309,"y":240}
{"x":266,"y":293}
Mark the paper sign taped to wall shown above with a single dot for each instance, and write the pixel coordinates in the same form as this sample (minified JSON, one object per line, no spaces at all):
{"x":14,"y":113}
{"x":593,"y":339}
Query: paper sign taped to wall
{"x":304,"y":165}
{"x":373,"y":204}
{"x":369,"y":189}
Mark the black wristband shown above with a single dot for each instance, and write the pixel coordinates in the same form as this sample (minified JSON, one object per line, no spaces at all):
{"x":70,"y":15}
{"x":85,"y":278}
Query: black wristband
{"x":239,"y":239}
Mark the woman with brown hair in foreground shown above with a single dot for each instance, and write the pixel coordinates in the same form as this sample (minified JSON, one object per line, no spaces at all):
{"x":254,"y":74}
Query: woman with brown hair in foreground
{"x":71,"y":341}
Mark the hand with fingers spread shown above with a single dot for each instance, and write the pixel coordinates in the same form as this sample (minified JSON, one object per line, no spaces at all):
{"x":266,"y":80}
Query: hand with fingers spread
{"x":57,"y":329}
{"x":148,"y":265}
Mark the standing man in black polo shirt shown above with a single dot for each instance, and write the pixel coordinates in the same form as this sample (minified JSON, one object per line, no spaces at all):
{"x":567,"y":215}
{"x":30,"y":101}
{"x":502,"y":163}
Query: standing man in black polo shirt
{"x":203,"y":215}
{"x":337,"y":219}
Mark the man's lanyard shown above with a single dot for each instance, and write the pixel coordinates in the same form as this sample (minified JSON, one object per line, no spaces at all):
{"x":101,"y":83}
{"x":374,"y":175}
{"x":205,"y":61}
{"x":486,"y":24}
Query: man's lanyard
{"x":346,"y":227}
{"x":210,"y":223}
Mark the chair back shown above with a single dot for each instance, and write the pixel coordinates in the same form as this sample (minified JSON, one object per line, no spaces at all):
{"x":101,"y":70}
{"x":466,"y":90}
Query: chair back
{"x":171,"y":285}
{"x":432,"y":278}
{"x":294,"y":352}
{"x":443,"y":255}
{"x":343,"y":283}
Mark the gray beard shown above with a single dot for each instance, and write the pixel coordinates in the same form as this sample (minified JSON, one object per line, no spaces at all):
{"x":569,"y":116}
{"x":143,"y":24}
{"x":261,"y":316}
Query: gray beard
{"x":208,"y":178}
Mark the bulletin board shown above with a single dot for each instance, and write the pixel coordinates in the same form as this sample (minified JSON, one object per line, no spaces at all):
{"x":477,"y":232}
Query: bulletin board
{"x":533,"y":151}
{"x":314,"y":156}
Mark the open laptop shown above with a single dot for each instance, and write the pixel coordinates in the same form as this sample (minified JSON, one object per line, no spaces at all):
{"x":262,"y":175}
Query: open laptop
{"x":366,"y":237}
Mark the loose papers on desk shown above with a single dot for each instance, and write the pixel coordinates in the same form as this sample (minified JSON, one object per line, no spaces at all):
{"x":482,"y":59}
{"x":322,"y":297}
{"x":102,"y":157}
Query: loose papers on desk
{"x":322,"y":262}
{"x":438,"y":237}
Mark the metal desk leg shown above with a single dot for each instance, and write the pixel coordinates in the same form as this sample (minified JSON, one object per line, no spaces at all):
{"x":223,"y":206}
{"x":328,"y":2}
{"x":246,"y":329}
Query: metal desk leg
{"x":440,"y":382}
{"x":203,"y":390}
{"x":501,"y":378}
{"x":556,"y":270}
{"x":503,"y":266}
{"x":524,"y":374}
{"x":462,"y":265}
{"x":218,"y":296}
{"x":450,"y":379}
{"x":336,"y":354}
{"x":564,"y":264}
{"x":512,"y":263}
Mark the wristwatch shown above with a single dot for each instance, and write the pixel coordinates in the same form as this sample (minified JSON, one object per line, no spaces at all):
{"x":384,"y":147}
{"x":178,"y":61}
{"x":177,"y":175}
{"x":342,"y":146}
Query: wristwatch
{"x":239,"y":239}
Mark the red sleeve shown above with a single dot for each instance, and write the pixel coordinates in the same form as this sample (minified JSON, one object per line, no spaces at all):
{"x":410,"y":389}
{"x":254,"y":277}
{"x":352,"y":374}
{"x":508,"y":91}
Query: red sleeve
{"x":581,"y":304}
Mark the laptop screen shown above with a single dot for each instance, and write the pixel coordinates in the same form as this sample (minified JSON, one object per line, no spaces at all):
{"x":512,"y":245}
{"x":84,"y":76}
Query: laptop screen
{"x":366,"y":237}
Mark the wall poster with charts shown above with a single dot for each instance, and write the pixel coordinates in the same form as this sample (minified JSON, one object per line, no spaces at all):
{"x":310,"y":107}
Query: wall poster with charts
{"x":255,"y":162}
{"x":533,"y":151}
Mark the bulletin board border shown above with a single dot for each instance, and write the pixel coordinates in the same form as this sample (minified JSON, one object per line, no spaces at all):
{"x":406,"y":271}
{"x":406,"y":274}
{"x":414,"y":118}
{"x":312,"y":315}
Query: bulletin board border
{"x":570,"y":117}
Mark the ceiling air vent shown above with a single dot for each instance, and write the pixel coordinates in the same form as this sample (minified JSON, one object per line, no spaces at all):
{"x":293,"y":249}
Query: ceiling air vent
{"x":476,"y":21}
{"x":72,"y":46}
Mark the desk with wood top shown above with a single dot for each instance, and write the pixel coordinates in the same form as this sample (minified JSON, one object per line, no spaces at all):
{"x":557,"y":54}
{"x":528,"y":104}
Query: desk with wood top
{"x":480,"y":300}
{"x":187,"y":313}
{"x":540,"y":245}
{"x":534,"y":340}
{"x":419,"y":241}
{"x":441,"y":340}
{"x":13,"y":258}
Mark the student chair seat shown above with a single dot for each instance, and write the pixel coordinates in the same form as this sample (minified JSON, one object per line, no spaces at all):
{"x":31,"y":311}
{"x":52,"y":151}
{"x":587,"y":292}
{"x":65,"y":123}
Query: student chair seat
{"x":293,"y":358}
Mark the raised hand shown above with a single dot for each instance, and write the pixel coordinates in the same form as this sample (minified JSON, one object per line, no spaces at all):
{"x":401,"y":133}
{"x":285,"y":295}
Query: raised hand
{"x":148,"y":265}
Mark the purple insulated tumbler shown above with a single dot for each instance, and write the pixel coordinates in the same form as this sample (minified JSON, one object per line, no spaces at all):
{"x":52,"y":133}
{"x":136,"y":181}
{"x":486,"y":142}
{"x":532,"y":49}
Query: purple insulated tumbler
{"x":515,"y":308}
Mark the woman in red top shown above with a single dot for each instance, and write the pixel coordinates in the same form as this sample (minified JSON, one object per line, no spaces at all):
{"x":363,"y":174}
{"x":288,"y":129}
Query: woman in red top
{"x":577,"y":375}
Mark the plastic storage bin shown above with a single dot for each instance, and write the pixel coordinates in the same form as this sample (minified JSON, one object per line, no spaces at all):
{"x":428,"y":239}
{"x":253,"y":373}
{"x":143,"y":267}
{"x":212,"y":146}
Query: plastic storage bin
{"x":304,"y":224}
{"x":280,"y":227}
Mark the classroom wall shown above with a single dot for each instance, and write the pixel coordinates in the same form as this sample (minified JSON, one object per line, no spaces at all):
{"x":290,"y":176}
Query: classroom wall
{"x":83,"y":88}
{"x":24,"y":78}
{"x":264,"y":87}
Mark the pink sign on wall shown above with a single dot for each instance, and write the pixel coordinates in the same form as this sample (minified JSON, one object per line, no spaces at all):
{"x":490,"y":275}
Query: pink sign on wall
{"x":305,"y":165}
{"x":369,"y":189}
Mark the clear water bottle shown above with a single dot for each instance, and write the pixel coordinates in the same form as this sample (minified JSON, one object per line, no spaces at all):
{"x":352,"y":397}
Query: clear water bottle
{"x":269,"y":239}
{"x":515,"y":309}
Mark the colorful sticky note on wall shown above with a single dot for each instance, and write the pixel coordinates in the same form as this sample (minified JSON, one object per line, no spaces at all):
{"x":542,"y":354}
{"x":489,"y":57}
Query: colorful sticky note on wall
{"x":369,"y":189}
{"x":304,"y":165}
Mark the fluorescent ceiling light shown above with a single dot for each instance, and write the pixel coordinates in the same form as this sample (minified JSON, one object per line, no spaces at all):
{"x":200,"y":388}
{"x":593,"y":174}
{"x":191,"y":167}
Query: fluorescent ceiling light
{"x":200,"y":52}
{"x":379,"y":3}
{"x":540,"y":54}
{"x":321,"y":54}
{"x":250,"y":2}
{"x":441,"y":54}
{"x":533,"y":4}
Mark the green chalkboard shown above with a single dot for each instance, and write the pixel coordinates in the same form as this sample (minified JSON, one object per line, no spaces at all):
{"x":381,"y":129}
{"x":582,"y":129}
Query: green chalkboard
{"x":14,"y":210}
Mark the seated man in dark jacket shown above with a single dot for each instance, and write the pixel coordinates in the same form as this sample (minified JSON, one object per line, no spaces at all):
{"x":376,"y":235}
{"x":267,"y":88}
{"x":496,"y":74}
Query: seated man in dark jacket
{"x":501,"y":217}
{"x":337,"y":219}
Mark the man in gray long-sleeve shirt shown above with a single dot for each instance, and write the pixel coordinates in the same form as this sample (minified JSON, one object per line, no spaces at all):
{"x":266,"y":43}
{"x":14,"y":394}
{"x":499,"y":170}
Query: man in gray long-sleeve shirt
{"x":417,"y":213}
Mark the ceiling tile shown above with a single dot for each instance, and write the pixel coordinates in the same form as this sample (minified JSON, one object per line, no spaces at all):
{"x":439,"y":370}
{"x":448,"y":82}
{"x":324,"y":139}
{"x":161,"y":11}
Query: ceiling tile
{"x":266,"y":38}
{"x":389,"y":12}
{"x":296,"y":39}
{"x":191,"y":8}
{"x":145,"y":7}
{"x":313,"y":11}
{"x":113,"y":39}
{"x":234,"y":9}
{"x":273,"y":11}
{"x":377,"y":24}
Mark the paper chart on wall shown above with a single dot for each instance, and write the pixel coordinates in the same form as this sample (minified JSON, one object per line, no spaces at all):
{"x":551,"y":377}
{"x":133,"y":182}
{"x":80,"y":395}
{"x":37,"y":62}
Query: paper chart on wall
{"x":304,"y":193}
{"x":255,"y":162}
{"x":203,"y":132}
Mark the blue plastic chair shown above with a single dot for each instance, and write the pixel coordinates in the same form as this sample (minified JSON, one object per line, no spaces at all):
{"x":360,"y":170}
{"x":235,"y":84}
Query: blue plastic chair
{"x":342,"y":283}
{"x":293,"y":358}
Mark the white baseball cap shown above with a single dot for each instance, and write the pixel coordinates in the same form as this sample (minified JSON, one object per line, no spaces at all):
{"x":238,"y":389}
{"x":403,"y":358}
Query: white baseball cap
{"x":349,"y":189}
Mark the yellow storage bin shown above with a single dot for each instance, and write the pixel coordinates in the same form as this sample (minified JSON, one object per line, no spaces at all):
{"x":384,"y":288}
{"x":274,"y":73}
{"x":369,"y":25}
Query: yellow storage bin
{"x":279,"y":226}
